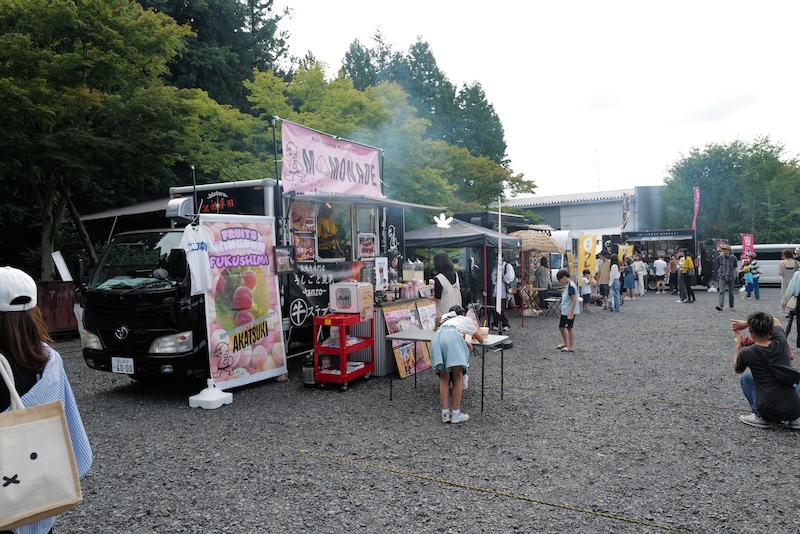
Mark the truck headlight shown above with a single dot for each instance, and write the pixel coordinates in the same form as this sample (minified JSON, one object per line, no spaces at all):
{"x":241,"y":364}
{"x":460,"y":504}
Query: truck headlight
{"x":91,"y":341}
{"x":172,"y":344}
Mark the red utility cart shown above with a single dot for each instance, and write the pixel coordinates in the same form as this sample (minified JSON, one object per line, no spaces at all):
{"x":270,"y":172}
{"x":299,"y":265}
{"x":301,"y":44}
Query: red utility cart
{"x":346,"y":369}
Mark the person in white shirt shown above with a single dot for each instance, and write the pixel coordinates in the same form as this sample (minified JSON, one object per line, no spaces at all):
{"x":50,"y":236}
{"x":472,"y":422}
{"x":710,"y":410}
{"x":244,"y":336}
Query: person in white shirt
{"x":586,"y":290}
{"x":639,"y":270}
{"x":615,"y":283}
{"x":500,"y":321}
{"x":660,"y":266}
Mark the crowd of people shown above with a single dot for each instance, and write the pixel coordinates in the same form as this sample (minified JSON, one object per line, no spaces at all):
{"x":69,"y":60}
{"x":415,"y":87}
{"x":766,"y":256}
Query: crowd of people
{"x":771,"y":387}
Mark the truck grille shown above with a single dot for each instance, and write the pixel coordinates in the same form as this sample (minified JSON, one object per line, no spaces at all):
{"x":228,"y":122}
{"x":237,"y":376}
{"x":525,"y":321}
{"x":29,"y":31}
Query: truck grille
{"x":138,"y":322}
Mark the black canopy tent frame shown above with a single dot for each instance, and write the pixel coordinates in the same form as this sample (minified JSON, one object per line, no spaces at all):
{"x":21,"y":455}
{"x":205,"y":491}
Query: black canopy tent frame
{"x":461,"y":235}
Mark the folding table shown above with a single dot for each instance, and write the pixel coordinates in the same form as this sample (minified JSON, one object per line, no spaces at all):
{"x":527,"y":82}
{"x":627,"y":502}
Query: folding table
{"x":491,"y":341}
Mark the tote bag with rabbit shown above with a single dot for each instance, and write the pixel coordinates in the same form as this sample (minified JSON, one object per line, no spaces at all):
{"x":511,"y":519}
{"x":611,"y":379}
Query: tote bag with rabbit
{"x":37,"y":464}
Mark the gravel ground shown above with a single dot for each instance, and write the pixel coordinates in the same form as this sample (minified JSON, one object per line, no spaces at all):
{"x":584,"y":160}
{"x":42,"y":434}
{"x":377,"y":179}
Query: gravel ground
{"x":637,"y":431}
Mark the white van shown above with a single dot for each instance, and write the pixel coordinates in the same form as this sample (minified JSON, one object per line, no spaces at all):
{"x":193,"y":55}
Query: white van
{"x":768,"y":257}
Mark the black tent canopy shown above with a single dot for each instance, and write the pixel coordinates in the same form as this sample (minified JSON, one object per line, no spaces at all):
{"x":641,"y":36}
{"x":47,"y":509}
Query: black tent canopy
{"x":460,"y":234}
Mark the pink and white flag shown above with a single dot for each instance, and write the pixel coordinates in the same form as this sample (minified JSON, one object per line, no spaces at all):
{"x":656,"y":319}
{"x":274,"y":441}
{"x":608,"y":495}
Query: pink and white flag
{"x":316,"y":163}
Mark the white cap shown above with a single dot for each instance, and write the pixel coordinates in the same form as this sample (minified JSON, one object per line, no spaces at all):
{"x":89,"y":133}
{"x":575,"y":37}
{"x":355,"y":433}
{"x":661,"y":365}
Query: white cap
{"x":15,"y":284}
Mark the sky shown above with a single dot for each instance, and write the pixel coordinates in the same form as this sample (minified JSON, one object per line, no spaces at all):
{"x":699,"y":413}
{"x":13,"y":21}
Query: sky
{"x":593,"y":96}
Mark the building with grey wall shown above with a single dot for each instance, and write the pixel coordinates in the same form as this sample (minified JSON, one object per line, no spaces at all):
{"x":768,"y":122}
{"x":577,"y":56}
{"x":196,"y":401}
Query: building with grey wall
{"x":600,"y":209}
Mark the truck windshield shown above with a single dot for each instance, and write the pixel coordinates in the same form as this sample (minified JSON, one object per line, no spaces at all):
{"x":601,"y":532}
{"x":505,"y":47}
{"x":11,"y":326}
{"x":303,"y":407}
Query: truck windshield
{"x":135,"y":260}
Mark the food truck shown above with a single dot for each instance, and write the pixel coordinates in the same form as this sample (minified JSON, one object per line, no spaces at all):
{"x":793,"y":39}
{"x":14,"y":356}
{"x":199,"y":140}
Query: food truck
{"x":270,"y":249}
{"x":663,"y":243}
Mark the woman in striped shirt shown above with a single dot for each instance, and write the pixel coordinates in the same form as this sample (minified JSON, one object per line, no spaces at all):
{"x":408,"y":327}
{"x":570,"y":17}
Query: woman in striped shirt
{"x":38,"y":369}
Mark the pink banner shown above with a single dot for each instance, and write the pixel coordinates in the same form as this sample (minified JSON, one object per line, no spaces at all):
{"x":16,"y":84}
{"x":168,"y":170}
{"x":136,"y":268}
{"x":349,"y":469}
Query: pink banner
{"x":696,"y":207}
{"x":747,"y":245}
{"x":315,"y":163}
{"x":243,"y":311}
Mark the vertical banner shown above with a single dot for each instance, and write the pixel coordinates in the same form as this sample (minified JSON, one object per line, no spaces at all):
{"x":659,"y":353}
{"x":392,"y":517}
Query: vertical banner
{"x":500,"y":267}
{"x":626,"y":210}
{"x":696,"y":207}
{"x":588,"y":252}
{"x":395,"y":231}
{"x":747,"y":247}
{"x":243,"y":309}
{"x":319,"y":164}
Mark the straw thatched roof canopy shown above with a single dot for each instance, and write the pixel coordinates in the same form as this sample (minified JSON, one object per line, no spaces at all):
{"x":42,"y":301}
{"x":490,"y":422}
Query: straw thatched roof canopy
{"x":538,"y":241}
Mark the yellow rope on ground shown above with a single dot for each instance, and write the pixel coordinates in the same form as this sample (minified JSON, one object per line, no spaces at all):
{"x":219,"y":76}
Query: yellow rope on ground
{"x":496,"y":492}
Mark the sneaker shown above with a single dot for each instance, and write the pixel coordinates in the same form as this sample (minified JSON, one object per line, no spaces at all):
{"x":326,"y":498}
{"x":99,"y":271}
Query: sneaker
{"x":719,"y":308}
{"x":460,"y":418}
{"x":446,"y":417}
{"x":754,"y":420}
{"x":681,"y":301}
{"x":794,"y":425}
{"x":506,"y":328}
{"x":464,"y":381}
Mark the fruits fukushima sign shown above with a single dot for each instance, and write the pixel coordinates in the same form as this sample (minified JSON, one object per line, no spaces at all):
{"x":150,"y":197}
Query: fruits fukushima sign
{"x":243,"y":313}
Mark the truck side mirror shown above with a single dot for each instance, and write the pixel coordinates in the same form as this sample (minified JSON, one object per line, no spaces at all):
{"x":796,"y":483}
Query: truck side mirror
{"x":176,"y":264}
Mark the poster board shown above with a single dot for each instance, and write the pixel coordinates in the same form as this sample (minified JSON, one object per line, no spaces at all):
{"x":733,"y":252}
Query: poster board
{"x":305,"y":246}
{"x":427,"y":314}
{"x":366,"y":245}
{"x":303,"y":217}
{"x":243,"y":310}
{"x":304,"y":231}
{"x":410,"y":357}
{"x":284,"y":260}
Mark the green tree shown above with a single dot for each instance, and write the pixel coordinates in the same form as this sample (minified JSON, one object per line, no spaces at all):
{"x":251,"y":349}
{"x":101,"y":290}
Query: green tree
{"x":268,"y":98}
{"x":230,"y":39}
{"x":359,"y":66}
{"x":479,"y":129}
{"x":430,"y":92}
{"x":371,"y":66}
{"x":465,"y":119}
{"x":63,"y":65}
{"x":266,"y":44}
{"x":223,"y":143}
{"x":744,"y":188}
{"x":416,"y":169}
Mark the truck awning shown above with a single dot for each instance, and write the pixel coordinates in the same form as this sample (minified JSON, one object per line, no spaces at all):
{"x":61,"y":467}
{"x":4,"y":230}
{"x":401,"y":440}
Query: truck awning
{"x":362,"y":200}
{"x":152,"y":206}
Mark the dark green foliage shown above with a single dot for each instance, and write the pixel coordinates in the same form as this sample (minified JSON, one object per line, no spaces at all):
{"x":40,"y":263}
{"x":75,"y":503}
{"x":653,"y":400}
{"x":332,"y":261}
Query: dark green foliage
{"x":745,"y":188}
{"x":478,"y":128}
{"x":464,"y":119}
{"x":231,"y":37}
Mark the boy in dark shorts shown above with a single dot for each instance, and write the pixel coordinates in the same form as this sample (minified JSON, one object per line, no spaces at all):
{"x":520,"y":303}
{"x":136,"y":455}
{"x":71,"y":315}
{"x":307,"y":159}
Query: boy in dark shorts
{"x":569,"y":309}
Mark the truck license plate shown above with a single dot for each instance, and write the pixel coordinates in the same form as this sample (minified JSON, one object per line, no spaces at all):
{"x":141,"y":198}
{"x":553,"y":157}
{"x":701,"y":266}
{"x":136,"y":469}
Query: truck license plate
{"x":122,"y":365}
